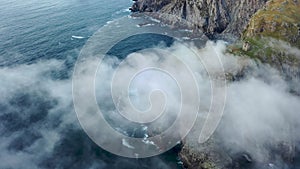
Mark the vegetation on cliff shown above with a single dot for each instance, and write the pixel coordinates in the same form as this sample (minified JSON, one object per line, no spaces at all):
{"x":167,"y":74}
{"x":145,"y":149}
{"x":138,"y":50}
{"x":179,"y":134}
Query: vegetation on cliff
{"x":210,"y":16}
{"x":270,"y":33}
{"x":273,"y":34}
{"x":279,"y":19}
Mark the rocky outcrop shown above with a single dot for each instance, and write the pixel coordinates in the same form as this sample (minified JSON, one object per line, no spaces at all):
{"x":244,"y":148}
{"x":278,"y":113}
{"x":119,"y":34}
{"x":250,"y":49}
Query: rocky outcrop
{"x":209,"y":155}
{"x":210,"y":16}
{"x":214,"y":155}
{"x":279,"y":19}
{"x":255,"y":21}
{"x":273,"y":33}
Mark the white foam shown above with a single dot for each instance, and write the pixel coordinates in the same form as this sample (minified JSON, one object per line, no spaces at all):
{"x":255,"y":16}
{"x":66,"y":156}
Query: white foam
{"x":145,"y":25}
{"x":149,"y":24}
{"x":154,"y":20}
{"x":78,"y":37}
{"x":186,"y":30}
{"x":186,"y":38}
{"x":126,"y":144}
{"x":146,"y":141}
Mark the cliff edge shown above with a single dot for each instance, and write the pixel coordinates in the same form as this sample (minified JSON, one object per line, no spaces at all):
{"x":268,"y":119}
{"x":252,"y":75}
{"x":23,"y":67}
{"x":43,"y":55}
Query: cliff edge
{"x":210,"y":16}
{"x":269,"y":32}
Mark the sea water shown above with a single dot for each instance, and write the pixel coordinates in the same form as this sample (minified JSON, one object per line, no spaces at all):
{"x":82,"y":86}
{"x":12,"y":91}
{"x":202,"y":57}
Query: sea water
{"x":39,"y":43}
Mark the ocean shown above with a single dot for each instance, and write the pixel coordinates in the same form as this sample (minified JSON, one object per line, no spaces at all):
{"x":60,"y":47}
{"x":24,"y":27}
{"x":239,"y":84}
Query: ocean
{"x":39,"y":45}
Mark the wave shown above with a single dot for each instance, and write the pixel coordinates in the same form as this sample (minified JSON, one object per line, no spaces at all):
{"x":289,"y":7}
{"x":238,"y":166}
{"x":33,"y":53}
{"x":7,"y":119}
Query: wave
{"x":125,"y":10}
{"x":145,"y":25}
{"x":78,"y":37}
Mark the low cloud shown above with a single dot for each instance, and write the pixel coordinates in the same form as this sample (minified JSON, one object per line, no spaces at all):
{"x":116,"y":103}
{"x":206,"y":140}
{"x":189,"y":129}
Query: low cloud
{"x":39,"y":128}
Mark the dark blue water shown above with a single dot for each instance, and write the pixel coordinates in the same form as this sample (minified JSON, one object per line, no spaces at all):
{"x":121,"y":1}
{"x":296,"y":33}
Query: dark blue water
{"x":44,"y":29}
{"x":39,"y":44}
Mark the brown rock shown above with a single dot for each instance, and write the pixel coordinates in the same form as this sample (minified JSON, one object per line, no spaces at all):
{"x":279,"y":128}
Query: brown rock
{"x":210,"y":16}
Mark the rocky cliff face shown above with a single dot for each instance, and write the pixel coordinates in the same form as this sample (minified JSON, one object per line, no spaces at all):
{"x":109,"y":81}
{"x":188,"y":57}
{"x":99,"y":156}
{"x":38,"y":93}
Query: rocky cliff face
{"x":260,"y":24}
{"x":210,"y":16}
{"x":273,"y":34}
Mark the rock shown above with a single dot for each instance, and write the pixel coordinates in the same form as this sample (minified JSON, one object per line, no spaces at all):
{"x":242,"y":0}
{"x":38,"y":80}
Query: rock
{"x":204,"y":156}
{"x":279,"y":19}
{"x":246,"y":46}
{"x":215,"y":17}
{"x":210,"y":16}
{"x":208,"y":155}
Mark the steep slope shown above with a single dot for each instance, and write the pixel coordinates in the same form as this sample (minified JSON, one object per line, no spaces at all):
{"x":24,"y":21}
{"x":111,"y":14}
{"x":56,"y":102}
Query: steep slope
{"x":210,"y":16}
{"x":273,"y":35}
{"x":272,"y":30}
{"x":280,"y":19}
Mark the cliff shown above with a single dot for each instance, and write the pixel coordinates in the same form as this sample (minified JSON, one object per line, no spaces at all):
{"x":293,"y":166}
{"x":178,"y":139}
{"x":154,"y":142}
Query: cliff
{"x":210,"y":16}
{"x":279,"y":19}
{"x":273,"y":37}
{"x":270,"y":31}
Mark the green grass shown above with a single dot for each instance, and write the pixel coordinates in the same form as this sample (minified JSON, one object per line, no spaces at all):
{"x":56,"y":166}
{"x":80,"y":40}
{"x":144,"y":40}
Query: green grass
{"x":261,"y":50}
{"x":284,"y":15}
{"x":280,"y":19}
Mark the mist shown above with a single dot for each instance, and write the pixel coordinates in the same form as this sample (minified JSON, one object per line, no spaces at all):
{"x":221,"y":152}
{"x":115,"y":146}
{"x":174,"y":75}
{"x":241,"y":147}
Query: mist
{"x":261,"y":115}
{"x":39,"y":128}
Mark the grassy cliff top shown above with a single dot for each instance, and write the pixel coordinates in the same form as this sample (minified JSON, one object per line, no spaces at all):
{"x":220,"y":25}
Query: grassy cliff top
{"x":273,"y":34}
{"x":279,"y":19}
